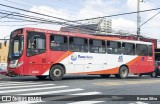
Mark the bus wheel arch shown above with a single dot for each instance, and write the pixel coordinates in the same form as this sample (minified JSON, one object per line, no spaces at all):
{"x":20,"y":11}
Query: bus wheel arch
{"x":123,"y":72}
{"x":57,"y":72}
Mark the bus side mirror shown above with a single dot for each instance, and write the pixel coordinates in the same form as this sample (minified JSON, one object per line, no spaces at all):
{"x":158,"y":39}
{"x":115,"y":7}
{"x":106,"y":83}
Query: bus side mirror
{"x":5,"y":43}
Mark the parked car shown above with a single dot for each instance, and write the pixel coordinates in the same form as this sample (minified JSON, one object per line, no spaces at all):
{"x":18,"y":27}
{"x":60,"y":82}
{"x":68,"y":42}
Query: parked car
{"x":3,"y":72}
{"x":157,"y":70}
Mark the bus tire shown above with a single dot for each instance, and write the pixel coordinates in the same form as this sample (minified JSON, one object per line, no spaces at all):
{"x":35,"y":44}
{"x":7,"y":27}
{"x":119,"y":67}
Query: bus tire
{"x":154,"y":74}
{"x":56,"y":73}
{"x":123,"y":72}
{"x":41,"y":77}
{"x":105,"y":75}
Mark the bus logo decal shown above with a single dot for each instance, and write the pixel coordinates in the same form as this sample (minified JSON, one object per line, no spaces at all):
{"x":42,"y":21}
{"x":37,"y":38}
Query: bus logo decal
{"x":73,"y":57}
{"x":120,"y":58}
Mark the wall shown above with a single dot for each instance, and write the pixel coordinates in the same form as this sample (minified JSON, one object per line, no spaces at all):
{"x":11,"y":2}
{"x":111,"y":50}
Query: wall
{"x":3,"y":51}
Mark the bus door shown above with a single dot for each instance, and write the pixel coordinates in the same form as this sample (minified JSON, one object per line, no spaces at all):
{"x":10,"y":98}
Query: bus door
{"x":36,"y":47}
{"x":142,"y":52}
{"x":148,"y":64}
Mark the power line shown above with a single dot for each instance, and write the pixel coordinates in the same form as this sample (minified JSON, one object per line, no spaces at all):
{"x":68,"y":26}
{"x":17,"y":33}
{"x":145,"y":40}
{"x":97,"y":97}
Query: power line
{"x":26,"y":16}
{"x":4,"y":16}
{"x":17,"y":3}
{"x":42,"y":20}
{"x":35,"y":12}
{"x":114,"y":15}
{"x":149,"y":19}
{"x":57,"y":22}
{"x":89,"y":5}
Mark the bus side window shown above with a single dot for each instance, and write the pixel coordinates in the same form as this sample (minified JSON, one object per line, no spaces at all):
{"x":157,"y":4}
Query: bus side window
{"x":113,"y":47}
{"x":97,"y":46}
{"x":78,"y":44}
{"x":128,"y":48}
{"x":58,"y":42}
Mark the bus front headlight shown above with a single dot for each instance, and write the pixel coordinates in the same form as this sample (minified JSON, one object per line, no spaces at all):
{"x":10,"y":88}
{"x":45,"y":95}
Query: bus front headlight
{"x":19,"y":64}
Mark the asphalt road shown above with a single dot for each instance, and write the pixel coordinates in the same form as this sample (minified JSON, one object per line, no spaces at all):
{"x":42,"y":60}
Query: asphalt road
{"x":84,"y":89}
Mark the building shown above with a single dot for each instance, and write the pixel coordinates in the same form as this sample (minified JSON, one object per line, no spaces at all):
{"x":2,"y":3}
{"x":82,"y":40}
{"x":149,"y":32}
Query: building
{"x":95,"y":26}
{"x":104,"y":25}
{"x":4,"y":46}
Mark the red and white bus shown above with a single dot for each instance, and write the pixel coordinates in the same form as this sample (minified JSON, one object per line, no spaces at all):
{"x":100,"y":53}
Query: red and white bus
{"x":42,"y":53}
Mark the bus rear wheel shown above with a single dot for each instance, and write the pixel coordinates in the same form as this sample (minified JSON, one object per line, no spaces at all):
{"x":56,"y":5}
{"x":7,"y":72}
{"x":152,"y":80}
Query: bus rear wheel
{"x":56,"y":73}
{"x":123,"y":73}
{"x":41,"y":77}
{"x":154,"y":74}
{"x":105,"y":75}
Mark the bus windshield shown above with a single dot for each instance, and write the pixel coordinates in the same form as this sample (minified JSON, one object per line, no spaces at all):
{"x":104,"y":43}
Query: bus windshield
{"x":16,"y":47}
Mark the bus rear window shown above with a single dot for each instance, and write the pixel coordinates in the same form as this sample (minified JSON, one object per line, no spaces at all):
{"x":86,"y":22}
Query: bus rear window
{"x":141,"y":50}
{"x":150,"y":51}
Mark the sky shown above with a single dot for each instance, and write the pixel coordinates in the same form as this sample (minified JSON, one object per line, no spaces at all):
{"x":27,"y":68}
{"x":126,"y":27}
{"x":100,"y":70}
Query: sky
{"x":83,"y":9}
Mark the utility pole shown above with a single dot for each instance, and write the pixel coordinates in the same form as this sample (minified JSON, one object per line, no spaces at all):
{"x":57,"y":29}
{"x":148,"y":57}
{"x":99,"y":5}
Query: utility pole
{"x":138,"y":20}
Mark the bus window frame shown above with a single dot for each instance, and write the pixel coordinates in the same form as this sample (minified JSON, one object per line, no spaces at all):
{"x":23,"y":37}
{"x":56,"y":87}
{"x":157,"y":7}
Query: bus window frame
{"x":119,"y":49}
{"x":102,"y":46}
{"x":67,"y":43}
{"x":142,"y":52}
{"x":151,"y":50}
{"x":32,"y":49}
{"x":85,"y":39}
{"x":134,"y":47}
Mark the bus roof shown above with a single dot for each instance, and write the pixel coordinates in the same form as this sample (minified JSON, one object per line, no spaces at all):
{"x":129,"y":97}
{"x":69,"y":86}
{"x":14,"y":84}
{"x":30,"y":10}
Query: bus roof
{"x":84,"y":35}
{"x":134,"y":41}
{"x":69,"y":33}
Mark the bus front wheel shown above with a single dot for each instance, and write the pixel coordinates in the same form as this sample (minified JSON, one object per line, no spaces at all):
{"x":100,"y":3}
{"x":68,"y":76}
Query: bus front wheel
{"x":56,"y":73}
{"x":123,"y":72}
{"x":105,"y":75}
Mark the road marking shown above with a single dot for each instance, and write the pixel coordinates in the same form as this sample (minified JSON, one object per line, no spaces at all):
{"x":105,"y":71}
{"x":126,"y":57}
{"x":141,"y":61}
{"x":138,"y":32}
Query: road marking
{"x":26,"y":86}
{"x":126,"y":82}
{"x":14,"y":83}
{"x":87,"y":102}
{"x":88,"y":93}
{"x":139,"y":102}
{"x":53,"y":92}
{"x":17,"y":82}
{"x":24,"y":102}
{"x":32,"y":89}
{"x":9,"y":84}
